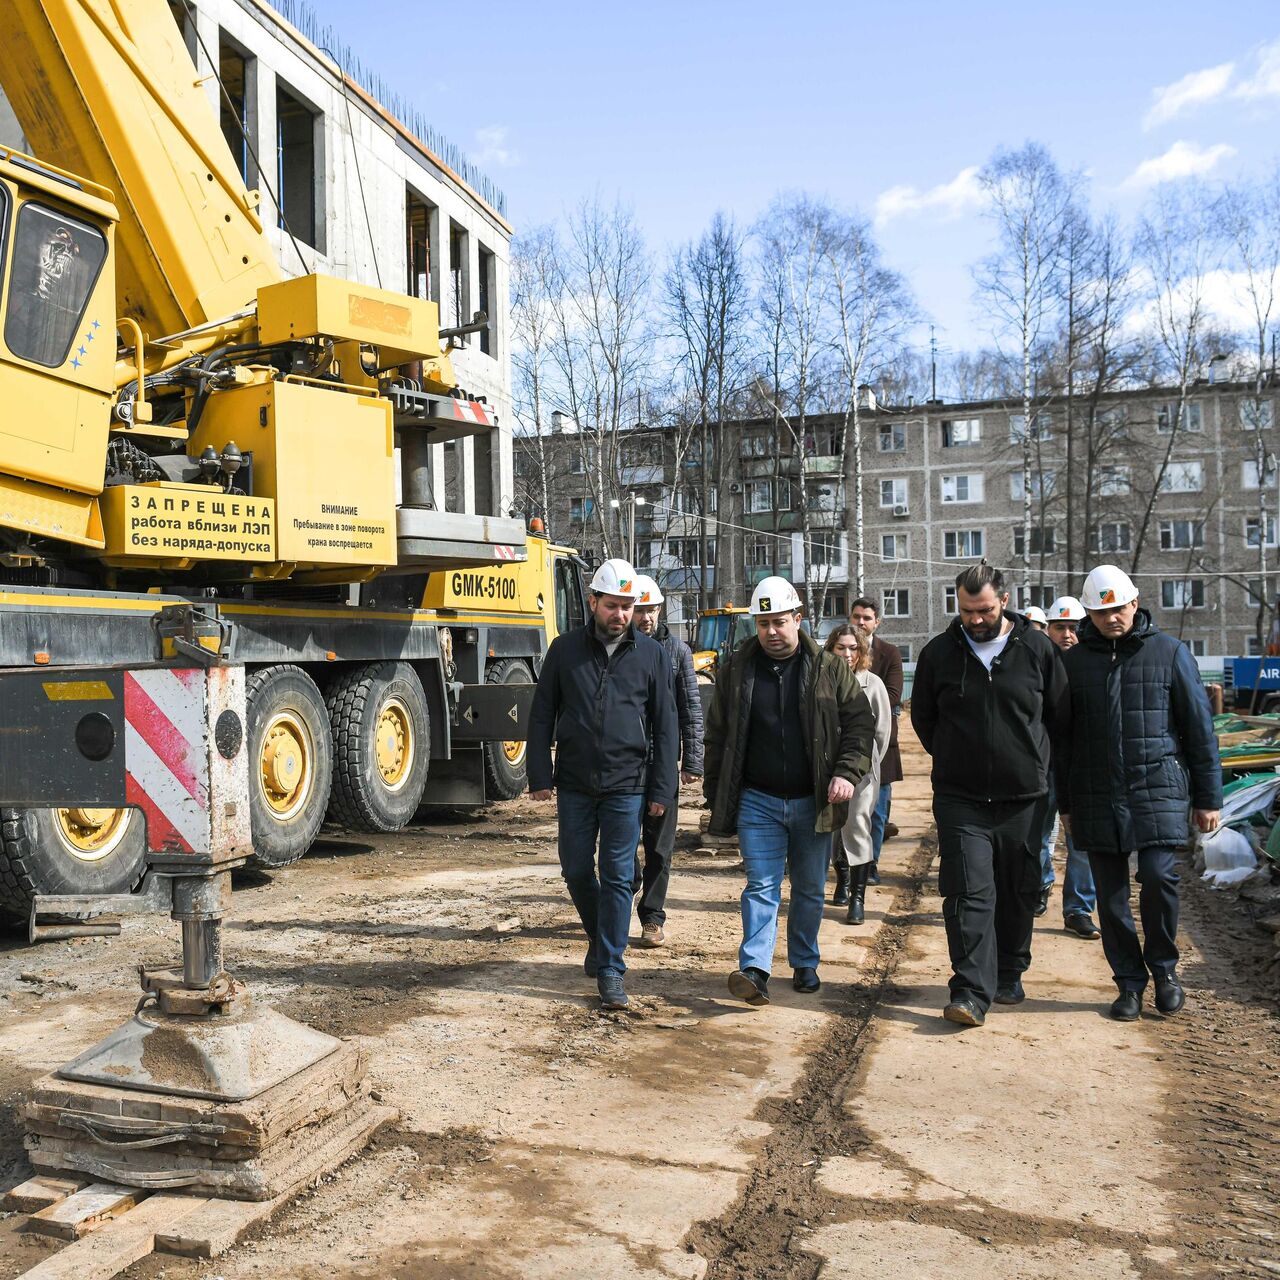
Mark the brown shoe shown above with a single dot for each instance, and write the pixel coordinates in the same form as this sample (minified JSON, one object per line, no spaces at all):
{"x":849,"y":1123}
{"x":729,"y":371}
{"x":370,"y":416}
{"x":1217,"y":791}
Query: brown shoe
{"x":651,"y":935}
{"x":890,"y":830}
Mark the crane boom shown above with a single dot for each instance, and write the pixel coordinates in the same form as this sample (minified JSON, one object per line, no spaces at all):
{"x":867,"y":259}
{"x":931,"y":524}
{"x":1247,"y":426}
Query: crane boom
{"x":107,"y":89}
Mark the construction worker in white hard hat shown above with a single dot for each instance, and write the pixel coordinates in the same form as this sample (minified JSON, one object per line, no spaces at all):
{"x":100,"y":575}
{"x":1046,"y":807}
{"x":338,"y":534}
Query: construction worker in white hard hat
{"x":653,"y":870}
{"x":789,"y":737}
{"x":1079,"y":898}
{"x":1136,"y":764}
{"x":1035,"y":615}
{"x":605,"y":698}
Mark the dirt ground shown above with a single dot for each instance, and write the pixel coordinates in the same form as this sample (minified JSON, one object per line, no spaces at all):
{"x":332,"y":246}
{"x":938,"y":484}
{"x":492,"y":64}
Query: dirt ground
{"x":849,"y":1134}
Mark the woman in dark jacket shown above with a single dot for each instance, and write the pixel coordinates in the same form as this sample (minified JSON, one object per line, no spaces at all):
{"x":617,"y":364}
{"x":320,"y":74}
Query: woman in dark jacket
{"x":1135,"y":754}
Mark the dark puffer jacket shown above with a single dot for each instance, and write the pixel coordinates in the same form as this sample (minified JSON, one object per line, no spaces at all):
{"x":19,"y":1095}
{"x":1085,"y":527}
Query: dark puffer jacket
{"x":838,"y":722}
{"x":1133,"y":742}
{"x":688,"y":699}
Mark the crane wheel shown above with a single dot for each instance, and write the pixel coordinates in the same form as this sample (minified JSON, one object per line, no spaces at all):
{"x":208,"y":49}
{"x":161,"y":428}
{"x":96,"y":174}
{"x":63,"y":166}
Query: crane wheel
{"x":44,"y":851}
{"x":381,"y":746}
{"x":505,"y":763}
{"x":290,"y":764}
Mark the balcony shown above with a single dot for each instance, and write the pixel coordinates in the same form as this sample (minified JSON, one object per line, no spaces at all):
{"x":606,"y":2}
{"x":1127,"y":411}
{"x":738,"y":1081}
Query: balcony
{"x":824,"y":465}
{"x":758,"y":573}
{"x":686,"y":579}
{"x":649,"y":474}
{"x":763,"y":520}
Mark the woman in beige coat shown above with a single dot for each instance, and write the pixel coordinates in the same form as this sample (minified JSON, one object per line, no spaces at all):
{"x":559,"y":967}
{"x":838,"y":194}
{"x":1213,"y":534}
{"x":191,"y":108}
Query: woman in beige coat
{"x":851,"y":847}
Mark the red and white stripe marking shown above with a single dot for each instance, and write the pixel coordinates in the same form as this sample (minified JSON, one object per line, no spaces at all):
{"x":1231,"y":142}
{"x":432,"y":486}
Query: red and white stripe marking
{"x":470,"y":411}
{"x":166,"y":770}
{"x":505,"y":553}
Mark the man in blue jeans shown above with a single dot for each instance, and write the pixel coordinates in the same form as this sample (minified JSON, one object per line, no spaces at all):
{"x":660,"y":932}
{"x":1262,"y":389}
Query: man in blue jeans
{"x":789,"y":736}
{"x":606,"y":697}
{"x":1079,"y":897}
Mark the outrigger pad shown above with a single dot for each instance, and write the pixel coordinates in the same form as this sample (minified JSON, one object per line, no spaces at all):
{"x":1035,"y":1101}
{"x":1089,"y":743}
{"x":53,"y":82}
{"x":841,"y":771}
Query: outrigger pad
{"x":251,"y":1150}
{"x":226,"y":1058}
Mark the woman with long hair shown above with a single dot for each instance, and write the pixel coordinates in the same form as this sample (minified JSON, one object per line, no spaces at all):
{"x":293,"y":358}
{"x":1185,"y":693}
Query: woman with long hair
{"x":851,"y":847}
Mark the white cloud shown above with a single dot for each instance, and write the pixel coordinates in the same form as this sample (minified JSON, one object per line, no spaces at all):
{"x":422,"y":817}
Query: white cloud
{"x":491,"y":150}
{"x":1265,"y":82}
{"x":948,"y":200}
{"x":1182,"y":160}
{"x":1193,"y":89}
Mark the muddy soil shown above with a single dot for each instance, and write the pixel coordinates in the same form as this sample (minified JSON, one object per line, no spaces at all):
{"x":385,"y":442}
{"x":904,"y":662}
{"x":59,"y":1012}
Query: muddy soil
{"x":836,"y":1135}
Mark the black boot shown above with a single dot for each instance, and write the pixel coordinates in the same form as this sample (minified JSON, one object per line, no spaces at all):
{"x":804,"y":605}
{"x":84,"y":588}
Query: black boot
{"x":841,"y":894}
{"x":857,"y":893}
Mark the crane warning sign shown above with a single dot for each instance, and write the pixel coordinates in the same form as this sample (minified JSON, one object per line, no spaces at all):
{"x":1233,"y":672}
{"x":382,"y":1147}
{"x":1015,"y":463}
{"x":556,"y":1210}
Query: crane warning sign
{"x":187,"y":522}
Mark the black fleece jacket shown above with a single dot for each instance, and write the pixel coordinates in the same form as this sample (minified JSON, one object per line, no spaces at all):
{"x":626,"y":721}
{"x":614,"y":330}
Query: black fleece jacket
{"x":988,"y":731}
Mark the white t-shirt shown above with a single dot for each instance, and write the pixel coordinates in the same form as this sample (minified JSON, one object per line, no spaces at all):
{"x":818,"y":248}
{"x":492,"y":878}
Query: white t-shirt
{"x":988,"y":650}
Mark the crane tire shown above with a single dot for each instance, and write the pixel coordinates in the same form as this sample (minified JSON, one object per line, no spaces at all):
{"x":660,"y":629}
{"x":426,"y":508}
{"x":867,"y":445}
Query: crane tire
{"x":506,"y":763}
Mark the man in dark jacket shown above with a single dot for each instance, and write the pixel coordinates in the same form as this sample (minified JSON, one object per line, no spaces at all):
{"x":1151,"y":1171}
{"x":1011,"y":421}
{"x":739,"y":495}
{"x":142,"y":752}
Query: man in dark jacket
{"x":886,"y":662}
{"x":789,"y":736}
{"x":1134,"y":752}
{"x":605,"y":697}
{"x":982,"y":705}
{"x":653,"y":874}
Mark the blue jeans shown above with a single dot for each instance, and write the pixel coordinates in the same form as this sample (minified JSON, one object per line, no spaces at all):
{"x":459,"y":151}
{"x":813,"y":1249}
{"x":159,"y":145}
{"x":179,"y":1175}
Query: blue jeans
{"x":604,"y":905}
{"x":1079,"y":897}
{"x":879,"y":817}
{"x":777,"y":835}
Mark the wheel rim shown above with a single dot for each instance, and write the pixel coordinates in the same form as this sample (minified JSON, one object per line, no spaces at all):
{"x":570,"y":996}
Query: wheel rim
{"x":514,"y":752}
{"x":394,"y":744}
{"x":90,"y":835}
{"x":287,"y":764}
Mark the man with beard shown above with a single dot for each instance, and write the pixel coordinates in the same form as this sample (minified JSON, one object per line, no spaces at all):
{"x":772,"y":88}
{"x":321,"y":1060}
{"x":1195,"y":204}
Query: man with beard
{"x":605,"y":698}
{"x":982,"y":706}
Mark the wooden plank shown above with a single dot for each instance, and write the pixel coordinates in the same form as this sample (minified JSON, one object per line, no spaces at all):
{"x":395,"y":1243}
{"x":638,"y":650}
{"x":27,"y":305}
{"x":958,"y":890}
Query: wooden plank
{"x":84,"y":1211}
{"x":119,"y":1244}
{"x":40,"y":1192}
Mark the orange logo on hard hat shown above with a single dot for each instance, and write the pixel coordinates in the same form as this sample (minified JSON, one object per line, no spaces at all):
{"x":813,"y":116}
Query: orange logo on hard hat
{"x":625,"y":584}
{"x":1107,"y":597}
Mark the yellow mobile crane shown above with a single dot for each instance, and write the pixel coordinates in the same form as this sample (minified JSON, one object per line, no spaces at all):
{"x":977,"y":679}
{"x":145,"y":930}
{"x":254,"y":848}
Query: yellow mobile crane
{"x":199,"y":455}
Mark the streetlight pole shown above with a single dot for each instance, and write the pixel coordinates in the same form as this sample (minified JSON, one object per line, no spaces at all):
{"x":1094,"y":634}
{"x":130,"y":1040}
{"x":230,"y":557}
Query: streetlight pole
{"x":631,"y":502}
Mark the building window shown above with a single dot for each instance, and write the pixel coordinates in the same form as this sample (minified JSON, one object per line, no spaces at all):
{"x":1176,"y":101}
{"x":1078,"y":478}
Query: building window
{"x":758,"y":496}
{"x":1112,"y":482}
{"x":1110,"y":536}
{"x":826,"y":548}
{"x":1042,"y":427}
{"x":580,"y":510}
{"x":1253,"y":647}
{"x":949,"y":605}
{"x":1251,"y":527}
{"x":905,"y":651}
{"x":957,"y":433}
{"x":760,"y":552}
{"x":1042,"y":485}
{"x":896,"y":602}
{"x":644,"y":452}
{"x":835,"y":604}
{"x":1166,"y":414}
{"x":299,"y":135}
{"x":236,"y":74}
{"x":1255,"y":414}
{"x":419,"y":230}
{"x":757,"y":446}
{"x":1197,"y":647}
{"x":1043,"y":541}
{"x":828,"y":498}
{"x":1113,"y":424}
{"x":1181,"y":535}
{"x":1182,"y":593}
{"x":893,"y":546}
{"x":962,"y":544}
{"x":486,"y":271}
{"x":893,"y":437}
{"x":962,"y":488}
{"x":689,"y":551}
{"x":458,"y":300}
{"x":1183,"y":477}
{"x":1042,"y":596}
{"x":1249,"y":472}
{"x":893,"y":493}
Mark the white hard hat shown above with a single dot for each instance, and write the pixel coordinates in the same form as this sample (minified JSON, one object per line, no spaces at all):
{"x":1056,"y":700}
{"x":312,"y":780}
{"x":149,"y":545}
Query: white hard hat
{"x":647,"y":591}
{"x":1107,"y":587}
{"x":1034,"y":613}
{"x":615,"y":578}
{"x":774,"y":595}
{"x":1066,"y":609}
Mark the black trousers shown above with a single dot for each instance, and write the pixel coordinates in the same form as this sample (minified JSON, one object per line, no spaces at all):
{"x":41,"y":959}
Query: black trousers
{"x":989,"y":878}
{"x":1157,"y":877}
{"x":653,"y":872}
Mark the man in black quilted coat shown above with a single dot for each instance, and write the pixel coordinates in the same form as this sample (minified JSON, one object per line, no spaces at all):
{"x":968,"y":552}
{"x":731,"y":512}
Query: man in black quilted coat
{"x":1135,"y":759}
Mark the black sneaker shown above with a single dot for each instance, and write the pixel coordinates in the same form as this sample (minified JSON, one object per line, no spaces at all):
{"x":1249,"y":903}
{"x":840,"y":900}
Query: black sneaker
{"x":1170,"y":996}
{"x":1042,"y":904}
{"x":1127,"y":1006}
{"x":806,"y":980}
{"x":1010,"y":992}
{"x":751,"y":985}
{"x":612,"y":993}
{"x":1081,"y":924}
{"x":963,"y":1012}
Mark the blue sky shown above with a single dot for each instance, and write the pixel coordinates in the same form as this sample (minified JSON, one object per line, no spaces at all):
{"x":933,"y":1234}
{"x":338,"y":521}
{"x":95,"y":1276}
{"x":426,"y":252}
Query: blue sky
{"x":681,"y":109}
